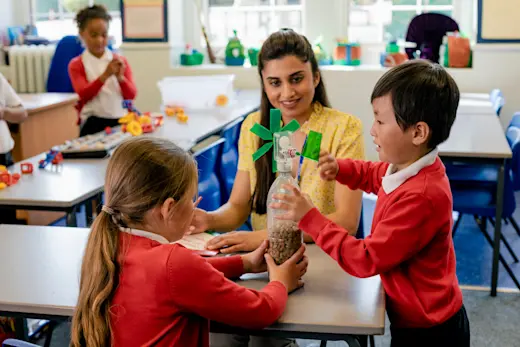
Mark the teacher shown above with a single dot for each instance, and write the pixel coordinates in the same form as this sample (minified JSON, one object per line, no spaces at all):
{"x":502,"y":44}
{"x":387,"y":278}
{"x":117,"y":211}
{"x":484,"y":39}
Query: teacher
{"x":291,"y":81}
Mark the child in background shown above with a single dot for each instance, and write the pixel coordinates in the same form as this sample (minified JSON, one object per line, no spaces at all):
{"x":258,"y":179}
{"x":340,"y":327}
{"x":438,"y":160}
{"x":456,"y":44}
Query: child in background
{"x":11,"y":111}
{"x":102,"y":79}
{"x":410,"y":245}
{"x":138,"y":288}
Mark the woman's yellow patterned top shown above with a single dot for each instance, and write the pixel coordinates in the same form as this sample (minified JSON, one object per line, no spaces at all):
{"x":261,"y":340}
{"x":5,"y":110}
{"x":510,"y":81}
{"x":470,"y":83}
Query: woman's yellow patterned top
{"x":342,"y":136}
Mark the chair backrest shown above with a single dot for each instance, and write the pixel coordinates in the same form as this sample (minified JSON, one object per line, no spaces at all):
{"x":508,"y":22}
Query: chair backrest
{"x":513,"y":138}
{"x":229,"y":160}
{"x":231,"y":133}
{"x":427,"y":31}
{"x":498,"y":104}
{"x":495,"y":93}
{"x":58,"y":80}
{"x":209,"y":185}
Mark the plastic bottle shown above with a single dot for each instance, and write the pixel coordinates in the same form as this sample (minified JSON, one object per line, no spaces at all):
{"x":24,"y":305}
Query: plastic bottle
{"x":285,"y":238}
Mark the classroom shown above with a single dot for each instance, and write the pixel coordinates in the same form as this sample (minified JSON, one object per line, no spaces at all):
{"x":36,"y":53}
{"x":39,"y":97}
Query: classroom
{"x":259,"y":173}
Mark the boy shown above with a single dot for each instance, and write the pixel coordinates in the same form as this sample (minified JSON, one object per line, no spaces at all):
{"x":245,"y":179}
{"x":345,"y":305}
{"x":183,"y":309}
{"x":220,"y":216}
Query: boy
{"x":12,"y":111}
{"x":410,"y":245}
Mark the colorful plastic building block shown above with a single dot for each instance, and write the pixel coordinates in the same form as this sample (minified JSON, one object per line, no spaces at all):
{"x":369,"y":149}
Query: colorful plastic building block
{"x":182,"y":117}
{"x":26,"y":168}
{"x":7,"y":180}
{"x":158,"y":121}
{"x":222,"y":100}
{"x":52,"y":157}
{"x":134,"y":128}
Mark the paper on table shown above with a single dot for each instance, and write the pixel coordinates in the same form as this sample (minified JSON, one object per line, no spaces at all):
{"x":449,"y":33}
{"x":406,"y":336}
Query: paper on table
{"x":196,"y":242}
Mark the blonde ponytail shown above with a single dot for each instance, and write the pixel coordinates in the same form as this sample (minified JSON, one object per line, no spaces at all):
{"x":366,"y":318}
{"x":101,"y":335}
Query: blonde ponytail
{"x":99,"y":277}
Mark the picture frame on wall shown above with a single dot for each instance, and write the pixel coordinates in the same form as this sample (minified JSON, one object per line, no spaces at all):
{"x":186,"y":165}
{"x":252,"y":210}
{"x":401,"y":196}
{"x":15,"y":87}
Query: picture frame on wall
{"x":498,"y":21}
{"x":144,"y":20}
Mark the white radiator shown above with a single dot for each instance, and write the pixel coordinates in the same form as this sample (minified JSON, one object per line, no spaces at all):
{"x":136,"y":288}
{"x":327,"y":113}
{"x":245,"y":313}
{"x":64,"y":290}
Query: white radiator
{"x":30,"y":67}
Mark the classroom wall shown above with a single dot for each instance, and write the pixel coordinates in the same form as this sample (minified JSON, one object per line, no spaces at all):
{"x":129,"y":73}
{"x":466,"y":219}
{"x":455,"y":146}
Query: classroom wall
{"x":349,"y":88}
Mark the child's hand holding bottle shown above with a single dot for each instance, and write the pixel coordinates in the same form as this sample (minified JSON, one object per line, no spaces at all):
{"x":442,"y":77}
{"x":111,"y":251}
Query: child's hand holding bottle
{"x":289,"y":273}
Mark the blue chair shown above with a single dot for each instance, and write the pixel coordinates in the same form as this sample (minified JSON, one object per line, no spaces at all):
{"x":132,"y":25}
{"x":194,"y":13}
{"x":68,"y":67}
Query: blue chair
{"x":58,"y":80}
{"x":495,"y":93}
{"x":209,"y":185}
{"x":229,"y":159}
{"x":480,"y":201}
{"x":17,"y":343}
{"x":477,"y":173}
{"x":498,"y":104}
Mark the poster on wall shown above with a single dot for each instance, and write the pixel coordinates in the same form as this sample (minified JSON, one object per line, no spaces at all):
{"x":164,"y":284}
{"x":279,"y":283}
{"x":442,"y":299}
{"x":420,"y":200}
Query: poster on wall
{"x":144,"y":20}
{"x":498,"y":21}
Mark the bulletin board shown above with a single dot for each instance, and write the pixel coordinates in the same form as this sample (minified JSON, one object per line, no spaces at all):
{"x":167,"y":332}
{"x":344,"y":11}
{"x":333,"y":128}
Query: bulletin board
{"x":144,"y":20}
{"x":498,"y":21}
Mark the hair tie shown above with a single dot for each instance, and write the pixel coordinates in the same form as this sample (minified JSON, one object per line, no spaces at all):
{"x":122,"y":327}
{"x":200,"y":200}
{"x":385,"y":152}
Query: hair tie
{"x":108,"y":210}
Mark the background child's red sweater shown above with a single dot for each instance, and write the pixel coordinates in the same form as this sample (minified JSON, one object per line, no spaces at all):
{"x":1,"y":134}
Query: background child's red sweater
{"x":167,"y":295}
{"x":410,"y":244}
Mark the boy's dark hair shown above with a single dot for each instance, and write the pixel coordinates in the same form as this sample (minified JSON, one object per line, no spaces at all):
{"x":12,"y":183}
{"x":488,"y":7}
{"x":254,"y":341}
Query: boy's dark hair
{"x":91,"y":12}
{"x":421,"y":91}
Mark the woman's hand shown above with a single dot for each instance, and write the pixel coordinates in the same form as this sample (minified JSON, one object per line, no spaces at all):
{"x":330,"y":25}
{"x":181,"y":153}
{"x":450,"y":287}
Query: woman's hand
{"x":237,"y":241}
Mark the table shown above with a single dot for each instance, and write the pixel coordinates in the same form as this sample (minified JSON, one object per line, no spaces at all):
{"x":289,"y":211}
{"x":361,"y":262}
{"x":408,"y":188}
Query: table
{"x":51,"y":120}
{"x":331,"y":305}
{"x":480,"y":138}
{"x":476,"y":96}
{"x":202,"y":124}
{"x":62,"y":188}
{"x":475,"y":107}
{"x":75,"y":182}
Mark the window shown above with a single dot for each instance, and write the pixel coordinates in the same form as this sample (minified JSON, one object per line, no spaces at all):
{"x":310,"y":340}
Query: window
{"x":253,"y":20}
{"x":55,"y":18}
{"x":372,"y":21}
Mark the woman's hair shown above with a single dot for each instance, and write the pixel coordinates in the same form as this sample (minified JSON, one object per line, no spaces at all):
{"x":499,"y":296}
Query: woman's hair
{"x":92,"y":12}
{"x":142,"y":173}
{"x":285,"y":42}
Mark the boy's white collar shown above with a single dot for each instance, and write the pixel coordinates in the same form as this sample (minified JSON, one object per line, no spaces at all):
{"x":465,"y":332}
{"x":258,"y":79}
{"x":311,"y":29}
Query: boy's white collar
{"x":147,"y":234}
{"x":393,"y":180}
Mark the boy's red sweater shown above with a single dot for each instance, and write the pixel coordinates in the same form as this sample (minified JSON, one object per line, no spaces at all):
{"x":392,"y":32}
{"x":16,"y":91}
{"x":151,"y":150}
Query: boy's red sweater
{"x":410,"y":245}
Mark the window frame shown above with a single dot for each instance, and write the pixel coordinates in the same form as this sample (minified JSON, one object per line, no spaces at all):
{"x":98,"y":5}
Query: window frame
{"x":62,"y":15}
{"x":418,"y":7}
{"x":271,"y":8}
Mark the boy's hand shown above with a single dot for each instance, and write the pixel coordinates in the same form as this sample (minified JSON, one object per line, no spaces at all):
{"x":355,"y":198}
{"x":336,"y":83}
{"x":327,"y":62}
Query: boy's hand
{"x":328,"y":166}
{"x":254,"y":262}
{"x":296,"y":204}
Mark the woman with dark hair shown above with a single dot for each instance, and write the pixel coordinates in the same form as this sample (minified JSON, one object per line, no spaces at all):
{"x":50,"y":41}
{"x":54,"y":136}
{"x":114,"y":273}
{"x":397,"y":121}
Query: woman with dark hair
{"x":291,"y":81}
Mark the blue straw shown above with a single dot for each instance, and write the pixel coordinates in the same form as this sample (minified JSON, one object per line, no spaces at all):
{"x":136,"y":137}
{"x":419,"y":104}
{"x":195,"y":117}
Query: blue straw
{"x":301,"y":160}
